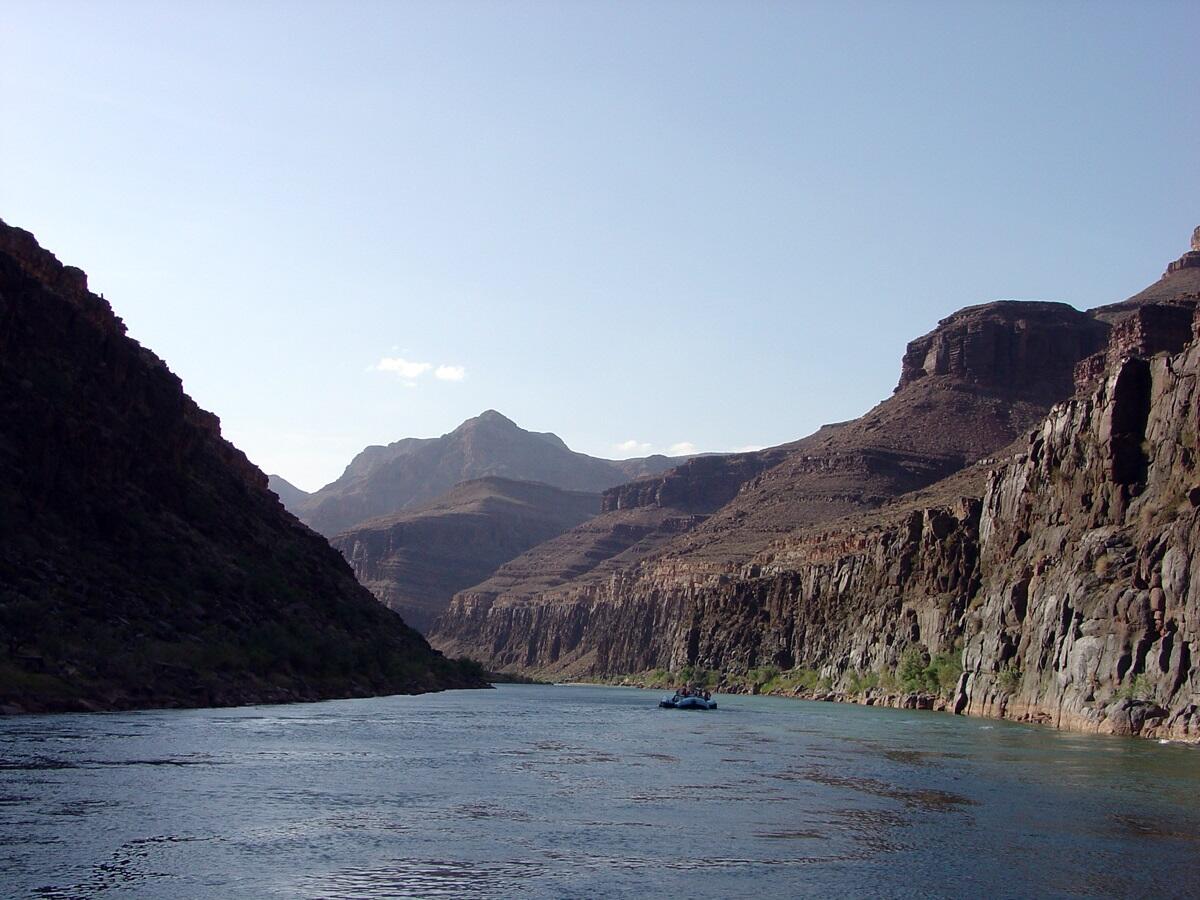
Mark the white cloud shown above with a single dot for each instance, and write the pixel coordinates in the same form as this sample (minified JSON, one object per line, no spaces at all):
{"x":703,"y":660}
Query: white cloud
{"x":633,"y":448}
{"x":749,"y":448}
{"x":408,"y":371}
{"x":402,"y":367}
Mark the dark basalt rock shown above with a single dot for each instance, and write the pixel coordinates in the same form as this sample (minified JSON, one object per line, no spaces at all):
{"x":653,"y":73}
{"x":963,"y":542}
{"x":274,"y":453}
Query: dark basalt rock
{"x":144,"y":562}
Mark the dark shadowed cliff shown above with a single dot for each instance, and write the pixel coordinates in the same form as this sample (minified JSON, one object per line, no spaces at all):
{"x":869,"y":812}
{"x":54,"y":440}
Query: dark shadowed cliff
{"x":144,"y":562}
{"x":289,"y":495}
{"x":416,"y":561}
{"x":383,"y":481}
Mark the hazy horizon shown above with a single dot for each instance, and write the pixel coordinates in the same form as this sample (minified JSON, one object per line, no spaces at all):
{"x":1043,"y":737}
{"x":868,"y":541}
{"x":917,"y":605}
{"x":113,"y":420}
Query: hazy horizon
{"x":678,"y":228}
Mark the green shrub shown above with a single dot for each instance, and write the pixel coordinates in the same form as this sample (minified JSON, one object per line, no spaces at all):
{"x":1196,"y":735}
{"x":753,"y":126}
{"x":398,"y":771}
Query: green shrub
{"x":888,"y":682}
{"x":861,"y":682}
{"x":946,"y":669}
{"x":919,"y":673}
{"x":769,"y":680}
{"x":1009,"y":678}
{"x":911,"y":671}
{"x":1138,"y":688}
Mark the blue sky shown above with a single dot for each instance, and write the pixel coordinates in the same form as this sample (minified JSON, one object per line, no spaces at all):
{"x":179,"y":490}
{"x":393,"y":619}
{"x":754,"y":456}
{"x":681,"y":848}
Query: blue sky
{"x":641,"y":226}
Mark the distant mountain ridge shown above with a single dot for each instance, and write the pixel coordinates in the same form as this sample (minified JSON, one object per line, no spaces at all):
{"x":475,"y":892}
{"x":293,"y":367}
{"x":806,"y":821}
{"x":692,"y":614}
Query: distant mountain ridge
{"x":386,"y":480}
{"x":415,"y":561}
{"x":288,"y":493}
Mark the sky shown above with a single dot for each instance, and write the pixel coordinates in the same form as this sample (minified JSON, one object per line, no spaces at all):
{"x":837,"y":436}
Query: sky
{"x":646,"y":227}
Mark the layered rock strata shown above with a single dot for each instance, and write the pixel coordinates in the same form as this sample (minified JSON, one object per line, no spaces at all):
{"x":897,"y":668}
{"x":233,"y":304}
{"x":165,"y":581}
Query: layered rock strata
{"x":1089,"y":613}
{"x":1043,"y":567}
{"x":703,"y":526}
{"x":1066,"y":574}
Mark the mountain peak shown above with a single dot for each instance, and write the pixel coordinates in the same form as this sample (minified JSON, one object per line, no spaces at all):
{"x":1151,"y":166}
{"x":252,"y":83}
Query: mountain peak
{"x":490,"y":417}
{"x":382,"y":481}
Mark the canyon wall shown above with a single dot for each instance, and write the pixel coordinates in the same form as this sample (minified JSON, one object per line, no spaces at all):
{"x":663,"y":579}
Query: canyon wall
{"x":1089,"y":611}
{"x":144,"y":563}
{"x":1062,"y":574}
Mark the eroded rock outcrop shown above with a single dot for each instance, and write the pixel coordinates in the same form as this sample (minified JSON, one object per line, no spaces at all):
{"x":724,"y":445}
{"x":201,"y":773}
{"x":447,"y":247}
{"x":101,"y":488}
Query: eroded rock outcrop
{"x":1089,"y":614}
{"x":1021,"y":347}
{"x":713,"y":527}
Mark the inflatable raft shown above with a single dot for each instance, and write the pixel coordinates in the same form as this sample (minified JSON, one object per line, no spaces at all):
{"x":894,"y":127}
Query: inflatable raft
{"x":678,"y":702}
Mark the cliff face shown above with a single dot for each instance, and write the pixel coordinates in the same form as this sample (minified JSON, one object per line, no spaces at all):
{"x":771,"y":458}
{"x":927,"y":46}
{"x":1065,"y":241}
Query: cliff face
{"x":1058,"y":571}
{"x":846,"y":598}
{"x":384,"y":481}
{"x":1089,"y":616}
{"x":1021,"y":348}
{"x":144,"y":561}
{"x":416,"y":561}
{"x":713,"y":517}
{"x":1064,"y":577}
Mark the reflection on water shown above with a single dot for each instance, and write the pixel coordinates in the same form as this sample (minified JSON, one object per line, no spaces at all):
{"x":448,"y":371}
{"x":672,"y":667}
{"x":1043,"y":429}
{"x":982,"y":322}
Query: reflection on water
{"x":533,"y":791}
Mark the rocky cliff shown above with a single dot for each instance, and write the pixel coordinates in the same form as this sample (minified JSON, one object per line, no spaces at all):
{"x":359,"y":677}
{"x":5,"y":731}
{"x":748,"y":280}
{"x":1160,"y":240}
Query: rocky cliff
{"x":1062,"y":580}
{"x":1053,"y":580}
{"x":289,"y":495}
{"x":144,"y":561}
{"x":416,"y":561}
{"x":386,"y":480}
{"x":711,"y":516}
{"x":1089,"y":610}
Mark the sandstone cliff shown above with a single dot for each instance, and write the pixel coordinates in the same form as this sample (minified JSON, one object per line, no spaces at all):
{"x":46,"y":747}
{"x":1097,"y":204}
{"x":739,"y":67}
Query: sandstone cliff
{"x":144,"y":562}
{"x":416,"y":561}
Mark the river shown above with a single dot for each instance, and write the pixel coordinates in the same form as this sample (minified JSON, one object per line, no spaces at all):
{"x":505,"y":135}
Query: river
{"x":588,"y":792}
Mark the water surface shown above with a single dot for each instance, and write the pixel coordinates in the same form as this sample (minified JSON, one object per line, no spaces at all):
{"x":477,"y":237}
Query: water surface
{"x":532,"y":791}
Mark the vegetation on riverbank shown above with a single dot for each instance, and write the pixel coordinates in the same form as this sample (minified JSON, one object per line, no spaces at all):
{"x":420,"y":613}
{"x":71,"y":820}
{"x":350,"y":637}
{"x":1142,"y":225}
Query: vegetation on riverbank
{"x":919,"y":673}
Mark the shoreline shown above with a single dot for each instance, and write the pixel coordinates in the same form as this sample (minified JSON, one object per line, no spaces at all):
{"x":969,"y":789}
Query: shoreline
{"x":1132,"y":719}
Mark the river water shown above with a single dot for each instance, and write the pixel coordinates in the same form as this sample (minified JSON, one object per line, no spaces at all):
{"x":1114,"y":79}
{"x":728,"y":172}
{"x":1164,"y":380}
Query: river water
{"x":589,"y":792}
